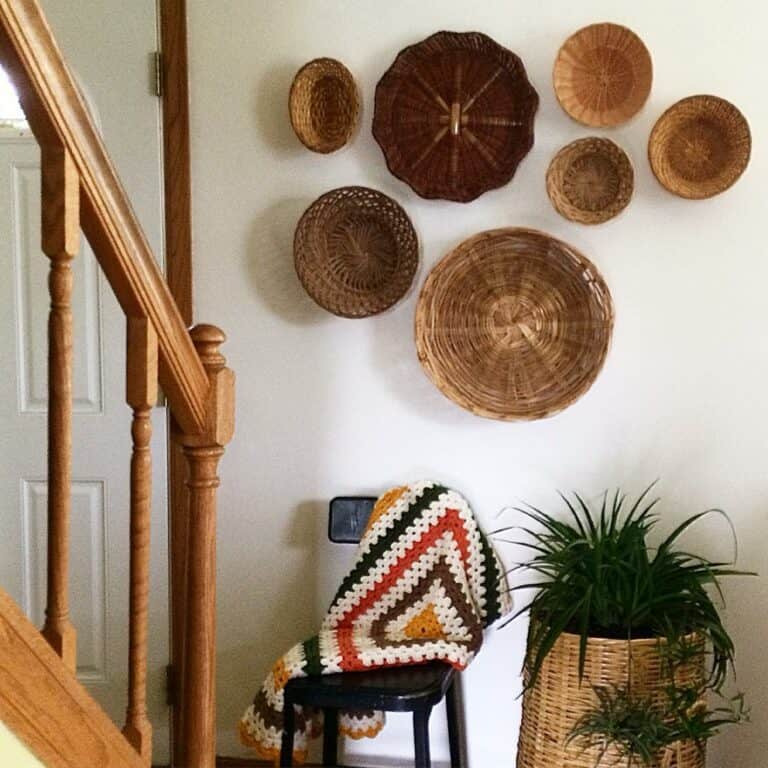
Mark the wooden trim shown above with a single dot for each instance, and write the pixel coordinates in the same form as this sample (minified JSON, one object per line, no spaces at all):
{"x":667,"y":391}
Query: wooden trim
{"x":176,"y":154}
{"x":42,"y":702}
{"x":58,"y":116}
{"x":178,"y":259}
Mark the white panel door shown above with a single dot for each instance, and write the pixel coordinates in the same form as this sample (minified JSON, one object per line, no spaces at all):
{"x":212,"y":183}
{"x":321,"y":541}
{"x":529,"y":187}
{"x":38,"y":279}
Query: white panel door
{"x":109,"y":46}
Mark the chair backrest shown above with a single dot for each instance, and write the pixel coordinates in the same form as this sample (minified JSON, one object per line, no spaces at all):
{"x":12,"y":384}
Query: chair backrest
{"x":347,"y":518}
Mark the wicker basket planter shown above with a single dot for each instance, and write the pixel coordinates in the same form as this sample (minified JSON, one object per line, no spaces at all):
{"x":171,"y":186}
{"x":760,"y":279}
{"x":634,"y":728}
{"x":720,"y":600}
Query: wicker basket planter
{"x":324,"y":105}
{"x":557,"y":701}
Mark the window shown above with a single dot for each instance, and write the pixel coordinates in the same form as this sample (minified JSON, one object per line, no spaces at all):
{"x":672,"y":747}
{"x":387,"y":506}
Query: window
{"x":11,"y":114}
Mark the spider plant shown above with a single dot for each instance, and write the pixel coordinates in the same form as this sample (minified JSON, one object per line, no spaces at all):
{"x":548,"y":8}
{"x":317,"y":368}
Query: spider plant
{"x":597,"y":575}
{"x":638,"y":730}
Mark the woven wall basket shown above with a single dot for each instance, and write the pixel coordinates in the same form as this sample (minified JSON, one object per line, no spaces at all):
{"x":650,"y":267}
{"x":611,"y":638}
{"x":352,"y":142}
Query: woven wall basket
{"x":700,"y":146}
{"x":603,"y":75}
{"x":590,"y":180}
{"x":513,"y":324}
{"x":557,"y":701}
{"x":454,"y":115}
{"x":324,"y":105}
{"x":355,"y":251}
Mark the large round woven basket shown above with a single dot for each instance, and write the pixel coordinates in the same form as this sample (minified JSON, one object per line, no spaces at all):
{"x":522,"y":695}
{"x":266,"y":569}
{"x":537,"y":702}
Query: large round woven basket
{"x":324,"y":105}
{"x":590,"y":180}
{"x":602,"y":75}
{"x":700,"y":146}
{"x":454,"y":115}
{"x":355,"y":251}
{"x":557,"y":701}
{"x":513,"y":324}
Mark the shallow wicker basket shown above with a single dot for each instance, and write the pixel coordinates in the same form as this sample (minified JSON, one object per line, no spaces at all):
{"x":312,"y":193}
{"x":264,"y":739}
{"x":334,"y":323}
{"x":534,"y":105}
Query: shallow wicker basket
{"x":454,"y":115}
{"x":324,"y":105}
{"x":557,"y":701}
{"x":700,"y":146}
{"x":590,"y":180}
{"x":603,"y":75}
{"x":513,"y":324}
{"x":355,"y":251}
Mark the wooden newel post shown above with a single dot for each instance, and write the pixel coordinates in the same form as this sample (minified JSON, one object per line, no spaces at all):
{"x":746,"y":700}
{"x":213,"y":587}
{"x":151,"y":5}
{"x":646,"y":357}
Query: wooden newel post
{"x":203,"y":451}
{"x":141,"y":395}
{"x":60,"y":242}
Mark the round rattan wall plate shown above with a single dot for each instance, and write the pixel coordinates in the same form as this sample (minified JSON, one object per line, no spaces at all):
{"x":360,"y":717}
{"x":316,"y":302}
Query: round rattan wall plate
{"x":700,"y":147}
{"x":324,"y":105}
{"x":454,"y":115}
{"x":513,"y":324}
{"x":355,"y":251}
{"x":603,"y":75}
{"x":590,"y":180}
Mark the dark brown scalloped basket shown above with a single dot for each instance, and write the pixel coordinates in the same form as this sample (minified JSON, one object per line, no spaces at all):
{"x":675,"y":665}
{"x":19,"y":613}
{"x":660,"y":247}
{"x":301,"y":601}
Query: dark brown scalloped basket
{"x":513,"y":324}
{"x":590,"y":180}
{"x":700,"y":147}
{"x":355,"y":251}
{"x":324,"y":105}
{"x":454,"y":115}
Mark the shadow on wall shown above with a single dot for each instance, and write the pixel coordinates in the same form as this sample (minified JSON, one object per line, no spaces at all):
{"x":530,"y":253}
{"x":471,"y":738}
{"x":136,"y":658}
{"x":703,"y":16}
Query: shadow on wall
{"x":270,"y":111}
{"x":288,"y":606}
{"x":271,"y":268}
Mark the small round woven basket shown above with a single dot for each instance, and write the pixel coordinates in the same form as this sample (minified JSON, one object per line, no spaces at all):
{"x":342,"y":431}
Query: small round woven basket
{"x":557,"y":701}
{"x":513,"y":324}
{"x":590,"y":180}
{"x":700,"y":147}
{"x":324,"y":105}
{"x":603,"y":75}
{"x":355,"y":251}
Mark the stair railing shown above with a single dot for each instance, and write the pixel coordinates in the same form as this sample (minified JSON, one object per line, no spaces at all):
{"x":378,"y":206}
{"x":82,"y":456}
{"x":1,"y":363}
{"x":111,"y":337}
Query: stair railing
{"x":81,"y":190}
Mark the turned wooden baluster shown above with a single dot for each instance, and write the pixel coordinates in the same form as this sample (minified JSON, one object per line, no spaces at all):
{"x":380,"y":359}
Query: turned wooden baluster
{"x":60,"y":240}
{"x":203,"y":451}
{"x":141,"y":394}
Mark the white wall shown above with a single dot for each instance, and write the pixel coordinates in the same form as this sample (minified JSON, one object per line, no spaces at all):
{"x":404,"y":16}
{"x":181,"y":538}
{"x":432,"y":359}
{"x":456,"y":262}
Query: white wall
{"x":329,"y":406}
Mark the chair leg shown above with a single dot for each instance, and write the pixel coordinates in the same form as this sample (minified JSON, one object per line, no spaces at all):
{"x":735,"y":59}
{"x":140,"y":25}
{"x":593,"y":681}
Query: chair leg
{"x":455,"y":724}
{"x":330,"y":736}
{"x":289,"y":725}
{"x":421,"y":737}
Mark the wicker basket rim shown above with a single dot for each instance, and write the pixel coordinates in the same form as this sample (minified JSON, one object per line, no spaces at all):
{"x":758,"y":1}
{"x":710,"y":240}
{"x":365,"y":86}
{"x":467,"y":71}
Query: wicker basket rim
{"x":530,"y":138}
{"x":637,"y":642}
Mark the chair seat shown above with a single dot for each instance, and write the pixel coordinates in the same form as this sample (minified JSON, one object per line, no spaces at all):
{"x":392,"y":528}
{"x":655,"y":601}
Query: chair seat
{"x":393,"y":689}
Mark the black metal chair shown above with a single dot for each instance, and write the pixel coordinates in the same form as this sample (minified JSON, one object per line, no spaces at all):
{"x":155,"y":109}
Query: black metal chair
{"x":415,"y":689}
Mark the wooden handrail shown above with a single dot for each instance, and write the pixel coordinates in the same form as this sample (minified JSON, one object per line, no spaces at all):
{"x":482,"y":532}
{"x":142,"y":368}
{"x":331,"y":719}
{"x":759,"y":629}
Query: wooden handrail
{"x":58,"y":116}
{"x":42,"y":702}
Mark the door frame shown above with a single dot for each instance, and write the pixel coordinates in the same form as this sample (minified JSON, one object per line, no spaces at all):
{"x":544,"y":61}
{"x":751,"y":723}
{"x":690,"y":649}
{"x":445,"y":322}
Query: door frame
{"x":174,"y":93}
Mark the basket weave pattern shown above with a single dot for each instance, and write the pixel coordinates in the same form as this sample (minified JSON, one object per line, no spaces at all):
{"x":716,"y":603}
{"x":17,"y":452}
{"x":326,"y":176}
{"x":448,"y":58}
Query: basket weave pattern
{"x":700,"y":146}
{"x":557,"y":701}
{"x":590,"y":180}
{"x":513,"y":324}
{"x":603,"y":75}
{"x":454,"y":115}
{"x":355,"y":251}
{"x":324,"y":105}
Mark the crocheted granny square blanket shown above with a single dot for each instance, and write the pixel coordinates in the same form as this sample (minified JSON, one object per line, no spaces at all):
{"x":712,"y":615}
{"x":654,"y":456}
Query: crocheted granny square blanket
{"x":425,"y":584}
